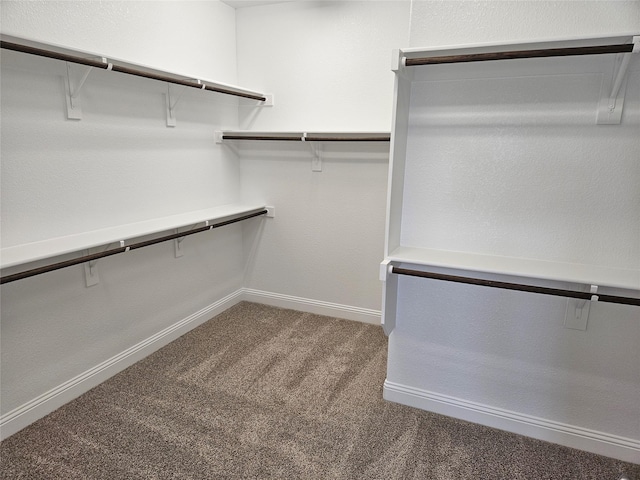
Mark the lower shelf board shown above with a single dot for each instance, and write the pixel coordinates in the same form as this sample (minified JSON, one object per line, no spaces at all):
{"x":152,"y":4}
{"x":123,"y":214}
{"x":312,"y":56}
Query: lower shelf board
{"x":30,"y":252}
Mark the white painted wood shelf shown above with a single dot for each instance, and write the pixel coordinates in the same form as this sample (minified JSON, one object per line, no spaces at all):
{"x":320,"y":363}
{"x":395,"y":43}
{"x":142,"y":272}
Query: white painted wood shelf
{"x":59,"y":52}
{"x":31,"y":252}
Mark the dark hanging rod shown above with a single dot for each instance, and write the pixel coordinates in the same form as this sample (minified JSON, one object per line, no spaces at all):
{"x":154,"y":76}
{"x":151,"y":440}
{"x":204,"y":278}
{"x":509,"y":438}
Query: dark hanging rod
{"x":517,"y":286}
{"x":115,"y":251}
{"x":260,"y":137}
{"x":347,"y":139}
{"x":547,"y":52}
{"x":308,"y":138}
{"x":122,"y":69}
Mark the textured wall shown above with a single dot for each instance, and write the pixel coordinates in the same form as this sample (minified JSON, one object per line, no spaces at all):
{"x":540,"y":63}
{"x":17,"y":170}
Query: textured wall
{"x":328,"y":64}
{"x":327,"y":238}
{"x":119,"y":164}
{"x":530,"y":174}
{"x":442,"y":22}
{"x":191,"y":38}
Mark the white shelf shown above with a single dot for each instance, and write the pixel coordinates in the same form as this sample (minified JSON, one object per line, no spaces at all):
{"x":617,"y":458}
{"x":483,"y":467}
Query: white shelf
{"x":470,"y":49}
{"x":55,"y":51}
{"x":519,"y":267}
{"x":29,"y":252}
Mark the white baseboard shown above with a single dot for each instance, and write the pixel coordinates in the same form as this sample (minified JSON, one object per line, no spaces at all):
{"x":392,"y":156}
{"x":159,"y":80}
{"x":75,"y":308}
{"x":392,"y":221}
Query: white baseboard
{"x":625,"y":449}
{"x":318,"y":307}
{"x":24,"y":415}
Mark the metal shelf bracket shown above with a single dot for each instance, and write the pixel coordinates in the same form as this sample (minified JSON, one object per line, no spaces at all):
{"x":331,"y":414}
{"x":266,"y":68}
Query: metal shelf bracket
{"x":73,"y":88}
{"x":613,"y":89}
{"x":316,"y":158}
{"x":91,"y":277}
{"x":177,"y":245}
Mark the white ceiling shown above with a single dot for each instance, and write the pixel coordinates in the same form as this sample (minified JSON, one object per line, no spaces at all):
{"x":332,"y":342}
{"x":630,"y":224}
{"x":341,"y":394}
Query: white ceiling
{"x":252,"y":3}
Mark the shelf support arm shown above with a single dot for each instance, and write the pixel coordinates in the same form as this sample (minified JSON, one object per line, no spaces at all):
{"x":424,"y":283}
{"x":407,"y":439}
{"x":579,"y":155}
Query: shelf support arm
{"x":171,"y":103}
{"x":74,"y":107}
{"x":613,"y":92}
{"x":316,"y":158}
{"x":73,"y":89}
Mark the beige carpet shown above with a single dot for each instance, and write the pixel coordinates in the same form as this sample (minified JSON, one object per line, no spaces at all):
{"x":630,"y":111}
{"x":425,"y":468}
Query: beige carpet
{"x":261,"y":392}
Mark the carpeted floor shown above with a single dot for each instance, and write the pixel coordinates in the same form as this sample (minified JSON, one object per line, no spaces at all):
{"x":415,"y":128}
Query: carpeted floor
{"x":262,"y":392}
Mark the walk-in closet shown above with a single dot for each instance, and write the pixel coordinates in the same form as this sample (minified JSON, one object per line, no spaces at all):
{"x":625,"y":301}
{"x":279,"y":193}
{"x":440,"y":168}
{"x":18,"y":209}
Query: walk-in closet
{"x":320,"y":239}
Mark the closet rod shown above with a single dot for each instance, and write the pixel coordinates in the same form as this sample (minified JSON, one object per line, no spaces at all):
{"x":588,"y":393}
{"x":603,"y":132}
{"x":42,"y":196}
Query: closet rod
{"x":307,"y":138}
{"x":114,"y":251}
{"x":547,"y":52}
{"x":347,"y":139}
{"x":259,"y":137}
{"x":122,"y":69}
{"x":517,"y":286}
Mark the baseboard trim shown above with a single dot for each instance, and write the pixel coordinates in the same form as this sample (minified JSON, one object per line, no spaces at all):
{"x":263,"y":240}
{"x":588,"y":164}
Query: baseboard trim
{"x":572,"y":436}
{"x":318,"y":307}
{"x":22,"y":416}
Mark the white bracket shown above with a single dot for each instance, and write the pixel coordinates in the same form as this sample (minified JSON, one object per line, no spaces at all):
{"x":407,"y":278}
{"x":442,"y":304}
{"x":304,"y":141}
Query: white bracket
{"x":271,"y":211}
{"x":177,"y":244}
{"x":389,"y":297}
{"x":171,"y":102}
{"x":399,"y":64}
{"x":316,"y":158}
{"x":385,"y":270}
{"x":91,"y":277}
{"x":613,"y":89}
{"x":270,"y":100}
{"x":397,"y":60}
{"x":73,"y":88}
{"x":577,"y":312}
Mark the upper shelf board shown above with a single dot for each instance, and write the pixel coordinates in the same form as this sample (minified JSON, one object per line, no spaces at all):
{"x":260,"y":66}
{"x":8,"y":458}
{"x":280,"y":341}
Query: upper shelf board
{"x":58,"y":52}
{"x":403,"y":55}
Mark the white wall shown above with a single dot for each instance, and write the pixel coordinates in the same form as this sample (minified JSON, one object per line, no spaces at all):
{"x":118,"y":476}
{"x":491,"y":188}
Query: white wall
{"x":505,"y":358}
{"x":191,"y":38}
{"x":439,"y":23}
{"x":328,"y":64}
{"x":119,"y":164}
